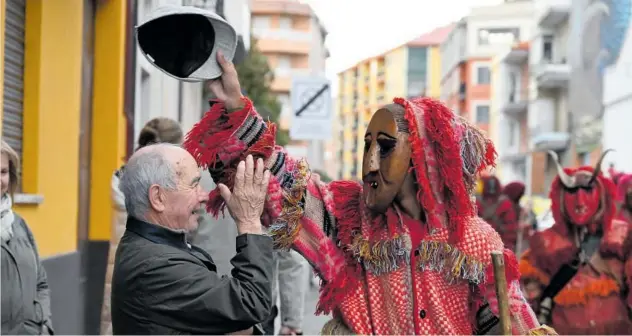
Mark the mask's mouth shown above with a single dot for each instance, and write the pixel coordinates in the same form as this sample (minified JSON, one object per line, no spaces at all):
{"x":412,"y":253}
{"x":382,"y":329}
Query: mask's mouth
{"x":372,"y":180}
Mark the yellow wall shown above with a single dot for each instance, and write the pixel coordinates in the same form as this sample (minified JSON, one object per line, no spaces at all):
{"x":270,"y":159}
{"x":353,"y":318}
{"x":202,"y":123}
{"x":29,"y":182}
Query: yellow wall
{"x":396,"y":73}
{"x":2,"y":11}
{"x":52,"y":101}
{"x":434,"y":72}
{"x":108,"y":119}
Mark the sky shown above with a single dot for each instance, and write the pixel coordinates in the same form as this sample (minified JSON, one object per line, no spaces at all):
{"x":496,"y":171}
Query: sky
{"x":359,"y":29}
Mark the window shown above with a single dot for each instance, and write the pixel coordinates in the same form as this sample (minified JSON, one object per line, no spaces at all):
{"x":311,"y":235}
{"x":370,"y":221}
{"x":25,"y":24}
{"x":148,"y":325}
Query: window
{"x":512,"y":133}
{"x":417,"y":71}
{"x":285,"y":23}
{"x":286,"y":107}
{"x":260,"y":22}
{"x":547,"y":48}
{"x":584,"y":159}
{"x":482,"y":114}
{"x":483,"y":76}
{"x":284,"y":62}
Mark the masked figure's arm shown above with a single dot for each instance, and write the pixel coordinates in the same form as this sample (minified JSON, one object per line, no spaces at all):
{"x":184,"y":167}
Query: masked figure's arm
{"x":523,"y":319}
{"x":299,"y":209}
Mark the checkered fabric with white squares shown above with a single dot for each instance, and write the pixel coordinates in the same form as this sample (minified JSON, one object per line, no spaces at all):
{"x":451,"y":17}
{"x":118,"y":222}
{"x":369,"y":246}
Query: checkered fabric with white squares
{"x":392,"y":304}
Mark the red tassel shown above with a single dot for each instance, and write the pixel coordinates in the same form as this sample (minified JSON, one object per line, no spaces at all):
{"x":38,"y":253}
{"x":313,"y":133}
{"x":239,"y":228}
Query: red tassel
{"x":512,"y":269}
{"x":207,"y":138}
{"x":424,"y":194}
{"x":346,"y":196}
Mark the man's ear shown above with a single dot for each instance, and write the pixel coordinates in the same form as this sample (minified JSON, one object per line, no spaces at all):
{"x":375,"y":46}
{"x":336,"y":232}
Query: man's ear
{"x":156,"y":198}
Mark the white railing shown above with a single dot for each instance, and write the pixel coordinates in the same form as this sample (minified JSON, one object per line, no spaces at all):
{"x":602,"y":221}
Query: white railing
{"x":282,"y":34}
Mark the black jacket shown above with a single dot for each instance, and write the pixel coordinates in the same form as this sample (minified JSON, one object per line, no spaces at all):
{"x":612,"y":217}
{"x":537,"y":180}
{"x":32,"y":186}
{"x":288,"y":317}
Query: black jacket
{"x":25,"y":293}
{"x":163,"y":285}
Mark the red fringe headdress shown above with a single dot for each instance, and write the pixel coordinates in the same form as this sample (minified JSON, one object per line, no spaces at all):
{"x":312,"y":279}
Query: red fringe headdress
{"x":448,"y":153}
{"x":624,"y":182}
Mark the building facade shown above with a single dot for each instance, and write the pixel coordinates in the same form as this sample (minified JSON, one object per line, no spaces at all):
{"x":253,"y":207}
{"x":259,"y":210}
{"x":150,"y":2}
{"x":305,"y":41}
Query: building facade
{"x":291,"y":36}
{"x":410,"y":70}
{"x":65,"y":110}
{"x":466,"y":76}
{"x":618,"y":104}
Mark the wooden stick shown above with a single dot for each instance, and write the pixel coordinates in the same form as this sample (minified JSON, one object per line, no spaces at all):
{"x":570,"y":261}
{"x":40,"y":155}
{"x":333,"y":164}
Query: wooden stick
{"x":498,"y":260}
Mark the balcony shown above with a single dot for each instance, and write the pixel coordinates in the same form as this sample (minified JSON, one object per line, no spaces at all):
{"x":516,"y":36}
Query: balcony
{"x":282,"y":34}
{"x":545,"y":141}
{"x":281,"y":46}
{"x":514,"y":155}
{"x":552,"y":13}
{"x":552,"y":75}
{"x":516,"y":104}
{"x":517,"y":56}
{"x":381,"y":75}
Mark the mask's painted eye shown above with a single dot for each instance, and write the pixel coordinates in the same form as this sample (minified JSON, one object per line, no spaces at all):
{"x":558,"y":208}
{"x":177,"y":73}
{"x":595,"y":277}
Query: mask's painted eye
{"x":367,"y":144}
{"x":386,"y":146}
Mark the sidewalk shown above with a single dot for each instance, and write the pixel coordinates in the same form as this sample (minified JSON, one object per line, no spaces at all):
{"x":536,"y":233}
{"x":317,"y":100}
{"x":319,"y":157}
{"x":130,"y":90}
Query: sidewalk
{"x":312,"y":323}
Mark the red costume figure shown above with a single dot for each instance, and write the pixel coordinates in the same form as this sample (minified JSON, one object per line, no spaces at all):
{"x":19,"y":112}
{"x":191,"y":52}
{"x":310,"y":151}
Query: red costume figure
{"x":577,"y":273}
{"x":624,"y":198}
{"x":404,"y":252}
{"x":487,"y":201}
{"x":510,"y":217}
{"x":614,"y":174}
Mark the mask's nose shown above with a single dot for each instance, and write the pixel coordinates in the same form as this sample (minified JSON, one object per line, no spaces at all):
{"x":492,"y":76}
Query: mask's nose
{"x":371,"y":162}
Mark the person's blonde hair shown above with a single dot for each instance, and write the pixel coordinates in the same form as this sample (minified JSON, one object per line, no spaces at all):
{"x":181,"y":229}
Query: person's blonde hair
{"x":14,"y":164}
{"x":160,"y":130}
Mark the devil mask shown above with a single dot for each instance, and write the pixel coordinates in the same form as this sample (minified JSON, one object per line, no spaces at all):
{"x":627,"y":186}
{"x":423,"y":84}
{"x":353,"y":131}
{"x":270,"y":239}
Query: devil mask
{"x":582,"y":195}
{"x":491,"y":186}
{"x":386,"y":163}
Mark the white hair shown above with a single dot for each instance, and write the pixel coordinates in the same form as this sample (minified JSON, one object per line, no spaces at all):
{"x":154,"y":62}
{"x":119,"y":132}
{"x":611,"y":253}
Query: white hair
{"x":143,"y":170}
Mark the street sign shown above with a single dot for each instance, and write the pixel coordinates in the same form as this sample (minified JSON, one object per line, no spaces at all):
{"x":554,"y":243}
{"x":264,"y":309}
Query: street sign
{"x":312,"y":108}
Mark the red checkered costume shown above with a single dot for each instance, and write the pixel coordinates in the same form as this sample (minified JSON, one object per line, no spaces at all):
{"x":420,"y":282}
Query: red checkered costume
{"x":388,"y":273}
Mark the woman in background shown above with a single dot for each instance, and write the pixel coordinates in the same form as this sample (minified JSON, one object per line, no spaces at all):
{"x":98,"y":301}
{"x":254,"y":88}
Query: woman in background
{"x":25,"y":294}
{"x":157,"y":130}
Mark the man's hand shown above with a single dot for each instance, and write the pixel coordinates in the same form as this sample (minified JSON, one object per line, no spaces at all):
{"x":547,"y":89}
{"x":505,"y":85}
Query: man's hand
{"x":227,"y":88}
{"x":245,"y":202}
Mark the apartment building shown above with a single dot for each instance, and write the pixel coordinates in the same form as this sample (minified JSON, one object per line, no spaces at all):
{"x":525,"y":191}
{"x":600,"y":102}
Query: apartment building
{"x":617,"y":102}
{"x":291,"y":36}
{"x":467,"y":52}
{"x":409,"y":70}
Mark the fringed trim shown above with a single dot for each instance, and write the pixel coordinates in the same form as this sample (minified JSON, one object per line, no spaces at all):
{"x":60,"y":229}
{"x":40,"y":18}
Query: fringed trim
{"x":529,"y":271}
{"x":418,"y":142}
{"x":543,"y":330}
{"x":442,"y":257}
{"x":512,"y":270}
{"x":580,"y":296}
{"x":336,"y":327}
{"x":382,"y":256}
{"x":209,"y":139}
{"x":333,"y":293}
{"x":346,"y":197}
{"x":286,"y":227}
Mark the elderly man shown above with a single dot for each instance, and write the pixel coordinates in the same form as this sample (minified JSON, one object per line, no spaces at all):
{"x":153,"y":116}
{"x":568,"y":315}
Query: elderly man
{"x":164,"y":285}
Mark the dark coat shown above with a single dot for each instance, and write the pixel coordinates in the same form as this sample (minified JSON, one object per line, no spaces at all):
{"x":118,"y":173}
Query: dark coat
{"x":163,"y":285}
{"x":25,"y":294}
